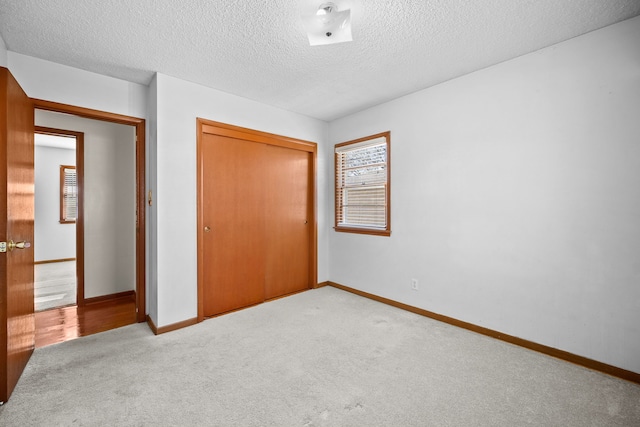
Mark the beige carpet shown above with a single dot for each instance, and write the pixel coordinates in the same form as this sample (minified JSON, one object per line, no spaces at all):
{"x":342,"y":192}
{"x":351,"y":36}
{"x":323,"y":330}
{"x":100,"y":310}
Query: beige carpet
{"x":320,"y":358}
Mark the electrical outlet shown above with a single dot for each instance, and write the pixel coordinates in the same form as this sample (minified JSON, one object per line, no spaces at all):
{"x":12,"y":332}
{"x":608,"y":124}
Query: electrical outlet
{"x":414,"y":284}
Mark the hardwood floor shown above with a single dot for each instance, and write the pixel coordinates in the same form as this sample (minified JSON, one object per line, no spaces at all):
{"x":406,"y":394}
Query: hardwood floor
{"x":66,"y":323}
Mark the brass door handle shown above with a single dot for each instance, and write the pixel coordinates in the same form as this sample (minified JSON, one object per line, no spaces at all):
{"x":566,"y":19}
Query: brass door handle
{"x":11,"y":245}
{"x":207,"y":229}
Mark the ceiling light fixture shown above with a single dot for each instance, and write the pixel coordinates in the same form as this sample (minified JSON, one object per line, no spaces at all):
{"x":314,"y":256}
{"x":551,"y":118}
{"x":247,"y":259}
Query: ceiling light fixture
{"x":328,"y":25}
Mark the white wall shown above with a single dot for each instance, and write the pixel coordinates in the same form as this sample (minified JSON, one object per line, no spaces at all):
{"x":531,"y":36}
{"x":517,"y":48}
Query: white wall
{"x":152,"y":213}
{"x":47,"y":80}
{"x":178,"y":105}
{"x":3,"y":53}
{"x":124,"y":206}
{"x":52,"y":240}
{"x":516,"y":198}
{"x":109,"y":201}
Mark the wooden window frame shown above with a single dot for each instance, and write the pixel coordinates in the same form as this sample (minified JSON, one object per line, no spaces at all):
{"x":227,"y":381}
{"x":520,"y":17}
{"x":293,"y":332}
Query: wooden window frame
{"x":378,"y":231}
{"x":63,"y":217}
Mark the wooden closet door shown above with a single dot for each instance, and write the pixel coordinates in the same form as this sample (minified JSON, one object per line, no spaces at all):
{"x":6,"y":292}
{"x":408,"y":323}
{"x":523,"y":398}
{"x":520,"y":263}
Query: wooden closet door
{"x":288,"y":218}
{"x":234,"y":223}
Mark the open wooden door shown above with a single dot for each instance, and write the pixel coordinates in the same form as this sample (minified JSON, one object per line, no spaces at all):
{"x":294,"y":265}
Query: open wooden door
{"x":17,"y":324}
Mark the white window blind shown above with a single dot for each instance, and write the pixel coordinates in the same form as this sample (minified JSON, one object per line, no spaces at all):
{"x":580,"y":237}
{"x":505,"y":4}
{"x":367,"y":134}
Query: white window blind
{"x":69,"y":194}
{"x":362,"y":184}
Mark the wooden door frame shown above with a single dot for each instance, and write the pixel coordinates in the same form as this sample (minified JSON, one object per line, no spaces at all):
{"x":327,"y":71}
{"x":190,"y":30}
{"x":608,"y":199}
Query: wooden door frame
{"x":223,"y":129}
{"x":139,"y":125}
{"x":79,"y":136}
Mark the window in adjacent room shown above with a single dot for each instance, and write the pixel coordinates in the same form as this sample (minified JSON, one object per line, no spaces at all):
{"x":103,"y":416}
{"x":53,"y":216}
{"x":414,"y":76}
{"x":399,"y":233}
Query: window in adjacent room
{"x":68,"y":194}
{"x":363,"y":186}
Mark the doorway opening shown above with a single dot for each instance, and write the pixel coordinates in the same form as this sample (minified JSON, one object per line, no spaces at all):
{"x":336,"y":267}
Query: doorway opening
{"x":58,"y":172}
{"x":109,"y":249}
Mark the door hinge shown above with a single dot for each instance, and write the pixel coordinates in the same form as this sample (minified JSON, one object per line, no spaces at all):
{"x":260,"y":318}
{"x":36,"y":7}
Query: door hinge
{"x":3,"y":247}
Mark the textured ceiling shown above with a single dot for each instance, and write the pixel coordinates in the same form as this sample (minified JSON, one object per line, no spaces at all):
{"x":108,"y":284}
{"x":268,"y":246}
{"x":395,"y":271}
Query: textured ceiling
{"x":258,"y":49}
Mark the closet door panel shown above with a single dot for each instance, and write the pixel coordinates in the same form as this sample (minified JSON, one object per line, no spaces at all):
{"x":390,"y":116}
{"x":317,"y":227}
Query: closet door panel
{"x":287,"y":216}
{"x":234,"y":223}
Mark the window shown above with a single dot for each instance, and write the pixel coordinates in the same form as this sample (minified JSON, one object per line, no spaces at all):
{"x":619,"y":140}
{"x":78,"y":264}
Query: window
{"x":68,"y":194}
{"x":363,"y":187}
